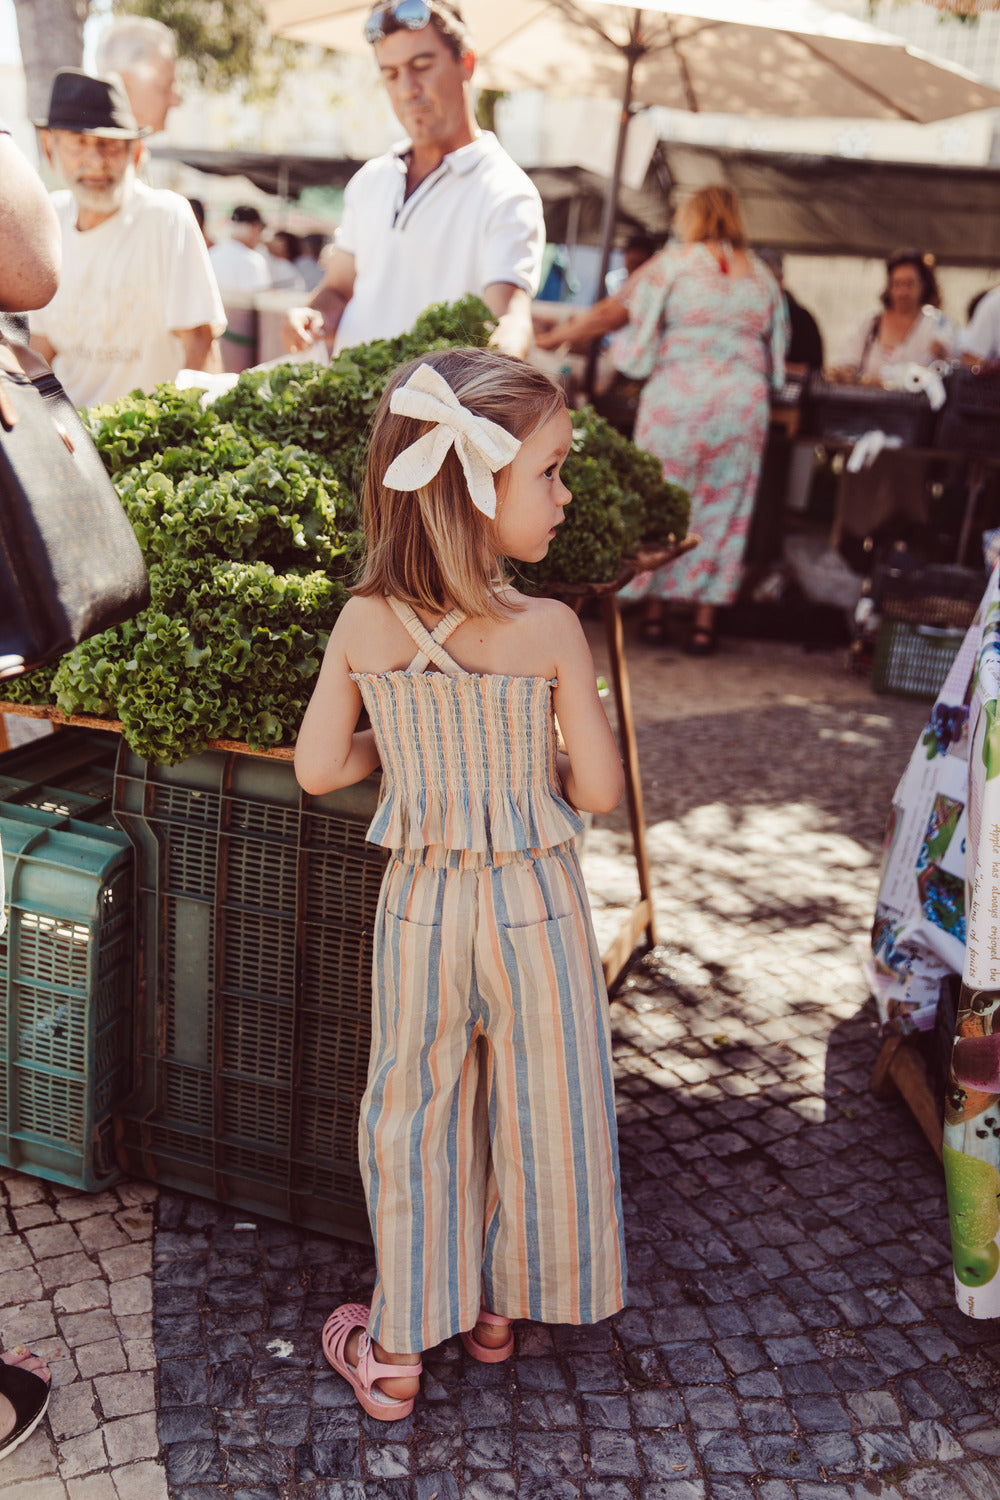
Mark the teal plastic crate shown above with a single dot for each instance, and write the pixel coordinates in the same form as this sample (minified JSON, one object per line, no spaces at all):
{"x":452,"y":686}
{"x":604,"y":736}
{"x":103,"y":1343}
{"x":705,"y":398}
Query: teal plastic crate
{"x":256,"y":908}
{"x":914,"y":660}
{"x":66,"y":995}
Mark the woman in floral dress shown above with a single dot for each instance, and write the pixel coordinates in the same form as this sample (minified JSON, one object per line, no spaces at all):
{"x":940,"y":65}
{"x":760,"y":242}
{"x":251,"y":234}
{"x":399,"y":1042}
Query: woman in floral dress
{"x":706,"y":325}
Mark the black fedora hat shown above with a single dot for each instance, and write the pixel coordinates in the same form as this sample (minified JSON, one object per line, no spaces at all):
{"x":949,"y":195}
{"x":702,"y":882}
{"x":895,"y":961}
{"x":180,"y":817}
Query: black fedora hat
{"x":91,"y":106}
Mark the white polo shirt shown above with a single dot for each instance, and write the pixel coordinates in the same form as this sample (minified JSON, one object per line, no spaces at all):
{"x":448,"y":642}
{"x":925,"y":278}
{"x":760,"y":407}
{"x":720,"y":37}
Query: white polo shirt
{"x":477,"y":219}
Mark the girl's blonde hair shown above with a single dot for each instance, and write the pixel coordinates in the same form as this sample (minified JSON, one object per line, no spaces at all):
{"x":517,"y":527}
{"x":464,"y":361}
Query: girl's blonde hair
{"x":713,"y":213}
{"x":431,"y":548}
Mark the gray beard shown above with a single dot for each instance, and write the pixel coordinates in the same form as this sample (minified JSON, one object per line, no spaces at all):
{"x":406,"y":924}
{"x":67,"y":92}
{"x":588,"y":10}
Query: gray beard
{"x":104,"y":200}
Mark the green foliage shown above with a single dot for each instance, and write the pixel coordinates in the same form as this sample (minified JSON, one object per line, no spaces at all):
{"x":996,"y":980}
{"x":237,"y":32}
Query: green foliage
{"x":226,"y":650}
{"x":145,"y":427}
{"x":282,"y":507}
{"x":34,"y":687}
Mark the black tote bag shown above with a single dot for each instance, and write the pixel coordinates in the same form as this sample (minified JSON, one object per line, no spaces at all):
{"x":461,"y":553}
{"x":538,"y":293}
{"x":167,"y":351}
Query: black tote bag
{"x":70,"y":565}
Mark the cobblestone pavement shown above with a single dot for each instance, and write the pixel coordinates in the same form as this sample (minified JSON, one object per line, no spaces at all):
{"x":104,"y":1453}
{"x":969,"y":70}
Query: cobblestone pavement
{"x":791,"y":1332}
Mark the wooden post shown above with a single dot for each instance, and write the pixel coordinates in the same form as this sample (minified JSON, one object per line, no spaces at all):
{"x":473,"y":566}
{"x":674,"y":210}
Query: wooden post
{"x":640,"y":918}
{"x":899,"y":1069}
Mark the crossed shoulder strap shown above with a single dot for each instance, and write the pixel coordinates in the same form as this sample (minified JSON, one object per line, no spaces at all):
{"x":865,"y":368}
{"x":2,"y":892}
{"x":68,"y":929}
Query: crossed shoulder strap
{"x":429,"y":643}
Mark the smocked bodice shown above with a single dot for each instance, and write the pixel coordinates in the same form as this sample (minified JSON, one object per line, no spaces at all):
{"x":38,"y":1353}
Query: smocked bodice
{"x":468,"y":759}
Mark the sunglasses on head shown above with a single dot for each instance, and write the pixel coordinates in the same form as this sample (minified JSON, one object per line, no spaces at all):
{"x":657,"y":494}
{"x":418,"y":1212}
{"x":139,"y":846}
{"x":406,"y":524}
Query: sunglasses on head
{"x":405,"y":15}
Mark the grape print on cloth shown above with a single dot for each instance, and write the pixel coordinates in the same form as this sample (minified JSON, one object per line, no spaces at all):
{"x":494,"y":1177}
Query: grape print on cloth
{"x":713,"y":346}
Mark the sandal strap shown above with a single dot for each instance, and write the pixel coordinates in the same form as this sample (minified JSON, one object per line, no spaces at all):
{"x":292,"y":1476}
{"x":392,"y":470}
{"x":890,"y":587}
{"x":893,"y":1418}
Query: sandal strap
{"x":370,"y":1369}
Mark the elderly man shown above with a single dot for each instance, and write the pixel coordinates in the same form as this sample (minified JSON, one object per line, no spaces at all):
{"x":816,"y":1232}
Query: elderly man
{"x":143,"y":52}
{"x":444,"y":214}
{"x":138,"y":300}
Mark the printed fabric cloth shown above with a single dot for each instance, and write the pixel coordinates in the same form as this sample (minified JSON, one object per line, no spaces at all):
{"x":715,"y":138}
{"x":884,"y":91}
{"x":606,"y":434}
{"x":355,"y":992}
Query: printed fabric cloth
{"x":713,"y":347}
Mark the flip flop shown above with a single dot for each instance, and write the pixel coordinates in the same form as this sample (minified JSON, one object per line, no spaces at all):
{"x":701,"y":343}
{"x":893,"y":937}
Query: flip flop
{"x":483,"y":1352}
{"x":361,"y":1377}
{"x":28,"y":1394}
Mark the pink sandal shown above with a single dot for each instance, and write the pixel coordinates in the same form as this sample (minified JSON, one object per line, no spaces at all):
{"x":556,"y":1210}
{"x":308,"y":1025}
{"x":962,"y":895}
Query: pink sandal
{"x":362,"y":1377}
{"x":483,"y":1352}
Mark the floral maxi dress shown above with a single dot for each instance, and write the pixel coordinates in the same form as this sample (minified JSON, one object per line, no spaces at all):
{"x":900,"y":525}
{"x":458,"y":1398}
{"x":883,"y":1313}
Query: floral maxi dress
{"x":712,"y":346}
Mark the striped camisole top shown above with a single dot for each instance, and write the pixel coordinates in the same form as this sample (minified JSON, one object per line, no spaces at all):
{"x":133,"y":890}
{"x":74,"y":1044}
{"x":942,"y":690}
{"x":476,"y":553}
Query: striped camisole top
{"x":468,"y":759}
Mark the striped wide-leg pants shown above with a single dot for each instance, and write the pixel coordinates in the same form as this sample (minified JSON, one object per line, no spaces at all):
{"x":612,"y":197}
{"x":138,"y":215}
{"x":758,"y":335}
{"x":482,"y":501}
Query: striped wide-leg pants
{"x":488,"y":1142}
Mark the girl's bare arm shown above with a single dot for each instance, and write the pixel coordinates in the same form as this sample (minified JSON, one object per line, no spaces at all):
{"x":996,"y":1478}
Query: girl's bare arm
{"x":591,"y":767}
{"x":331,"y":751}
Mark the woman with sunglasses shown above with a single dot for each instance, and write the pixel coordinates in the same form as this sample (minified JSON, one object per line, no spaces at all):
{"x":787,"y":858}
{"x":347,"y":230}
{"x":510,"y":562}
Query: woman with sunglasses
{"x":445,"y":214}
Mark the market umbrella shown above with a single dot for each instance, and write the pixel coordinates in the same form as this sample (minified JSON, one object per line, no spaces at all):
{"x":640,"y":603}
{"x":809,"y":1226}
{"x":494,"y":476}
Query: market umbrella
{"x":792,"y":58}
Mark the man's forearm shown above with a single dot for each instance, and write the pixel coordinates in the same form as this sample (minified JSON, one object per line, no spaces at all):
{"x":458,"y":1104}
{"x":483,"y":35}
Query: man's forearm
{"x":330,"y":304}
{"x":511,"y":306}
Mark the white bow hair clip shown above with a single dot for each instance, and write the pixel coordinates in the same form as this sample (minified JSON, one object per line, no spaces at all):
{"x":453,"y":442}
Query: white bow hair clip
{"x":482,"y":446}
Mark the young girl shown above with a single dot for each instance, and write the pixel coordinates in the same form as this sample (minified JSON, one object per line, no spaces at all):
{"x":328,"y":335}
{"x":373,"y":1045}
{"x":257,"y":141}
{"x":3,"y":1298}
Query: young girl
{"x":488,"y":1143}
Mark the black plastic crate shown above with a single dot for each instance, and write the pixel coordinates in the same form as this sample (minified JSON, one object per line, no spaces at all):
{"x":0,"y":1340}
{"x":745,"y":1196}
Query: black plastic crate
{"x":969,"y":421}
{"x":939,"y":594}
{"x":70,"y":773}
{"x":842,"y":413}
{"x":256,"y":911}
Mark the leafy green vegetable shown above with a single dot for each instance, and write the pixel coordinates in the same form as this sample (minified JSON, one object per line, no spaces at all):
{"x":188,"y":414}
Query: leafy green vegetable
{"x":283,"y":506}
{"x":34,"y":687}
{"x":226,"y":650}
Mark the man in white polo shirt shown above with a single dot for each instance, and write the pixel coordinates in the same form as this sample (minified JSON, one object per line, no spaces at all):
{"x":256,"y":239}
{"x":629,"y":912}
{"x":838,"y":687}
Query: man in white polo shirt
{"x":444,"y":214}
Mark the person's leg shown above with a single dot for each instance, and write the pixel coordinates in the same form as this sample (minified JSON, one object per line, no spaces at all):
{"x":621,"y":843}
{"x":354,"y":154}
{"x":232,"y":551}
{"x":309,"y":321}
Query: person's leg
{"x":554,"y":1247}
{"x":423,"y":1143}
{"x":703,"y":630}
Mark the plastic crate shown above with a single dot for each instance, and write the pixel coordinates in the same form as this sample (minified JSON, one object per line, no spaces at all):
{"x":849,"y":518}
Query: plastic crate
{"x":969,"y":421}
{"x":256,"y":911}
{"x":70,"y":773}
{"x":66,"y":995}
{"x":929,"y":594}
{"x":842,"y":413}
{"x":914,"y":660}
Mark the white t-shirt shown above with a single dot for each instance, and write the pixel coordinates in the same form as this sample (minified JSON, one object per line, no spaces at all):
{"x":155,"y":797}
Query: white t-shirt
{"x":982,"y":337}
{"x":476,"y":220}
{"x":124,"y":286}
{"x":239,"y":270}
